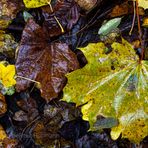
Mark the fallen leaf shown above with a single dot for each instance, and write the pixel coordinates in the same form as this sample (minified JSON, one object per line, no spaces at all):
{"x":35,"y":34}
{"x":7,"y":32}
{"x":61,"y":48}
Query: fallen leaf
{"x":64,"y":15}
{"x":143,"y":3}
{"x":7,"y":74}
{"x":145,"y":22}
{"x":112,"y":85}
{"x":120,"y":10}
{"x":43,"y":62}
{"x":7,"y":44}
{"x":86,"y":4}
{"x":35,"y":3}
{"x":2,"y":135}
{"x":3,"y":105}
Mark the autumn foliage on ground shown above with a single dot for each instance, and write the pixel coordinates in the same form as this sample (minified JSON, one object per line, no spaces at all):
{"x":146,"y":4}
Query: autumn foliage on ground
{"x":73,"y":73}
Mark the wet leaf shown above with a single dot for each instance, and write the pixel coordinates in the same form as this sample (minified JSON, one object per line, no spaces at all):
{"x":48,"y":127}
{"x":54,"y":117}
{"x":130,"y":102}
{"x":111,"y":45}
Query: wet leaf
{"x":112,"y":85}
{"x":62,"y":18}
{"x":7,"y":44}
{"x":43,"y":62}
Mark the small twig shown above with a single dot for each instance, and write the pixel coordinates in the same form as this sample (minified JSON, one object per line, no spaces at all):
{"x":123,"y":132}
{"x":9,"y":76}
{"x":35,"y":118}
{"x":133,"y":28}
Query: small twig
{"x":134,"y":16}
{"x":27,"y":79}
{"x":139,"y":31}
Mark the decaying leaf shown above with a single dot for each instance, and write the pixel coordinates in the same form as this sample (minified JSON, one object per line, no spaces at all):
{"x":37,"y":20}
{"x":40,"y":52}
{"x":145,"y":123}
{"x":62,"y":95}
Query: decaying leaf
{"x":86,"y":4}
{"x":112,"y":85}
{"x":43,"y":62}
{"x":7,"y":81}
{"x":53,"y":119}
{"x":61,"y":18}
{"x":2,"y":135}
{"x":7,"y":44}
{"x":5,"y":141}
{"x":3,"y":105}
{"x":120,"y":10}
{"x":8,"y":10}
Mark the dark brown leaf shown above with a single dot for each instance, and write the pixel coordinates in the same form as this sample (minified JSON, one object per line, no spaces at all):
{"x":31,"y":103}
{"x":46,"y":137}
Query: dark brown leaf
{"x":65,"y":11}
{"x":3,"y":105}
{"x":43,"y":62}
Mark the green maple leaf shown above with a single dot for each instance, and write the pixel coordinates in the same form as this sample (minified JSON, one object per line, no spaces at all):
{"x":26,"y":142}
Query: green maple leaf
{"x":113,"y":85}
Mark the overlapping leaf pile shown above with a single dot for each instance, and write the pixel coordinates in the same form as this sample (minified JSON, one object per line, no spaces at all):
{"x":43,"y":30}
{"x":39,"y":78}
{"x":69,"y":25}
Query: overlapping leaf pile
{"x":43,"y":62}
{"x":112,"y":85}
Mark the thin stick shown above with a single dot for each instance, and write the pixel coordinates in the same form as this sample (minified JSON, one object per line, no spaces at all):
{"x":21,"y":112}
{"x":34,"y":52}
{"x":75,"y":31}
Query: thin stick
{"x":27,"y":79}
{"x":134,"y":16}
{"x":62,"y":30}
{"x":139,"y":31}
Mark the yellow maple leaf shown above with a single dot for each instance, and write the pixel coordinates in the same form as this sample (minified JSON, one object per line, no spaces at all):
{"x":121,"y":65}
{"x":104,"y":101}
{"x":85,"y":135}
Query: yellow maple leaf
{"x":7,"y":74}
{"x":143,"y":4}
{"x":35,"y":3}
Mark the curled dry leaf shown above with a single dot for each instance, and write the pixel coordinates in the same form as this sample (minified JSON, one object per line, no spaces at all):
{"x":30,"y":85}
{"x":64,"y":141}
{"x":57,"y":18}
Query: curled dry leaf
{"x":64,"y":13}
{"x":43,"y":62}
{"x":3,"y":105}
{"x":8,"y":10}
{"x":86,"y":4}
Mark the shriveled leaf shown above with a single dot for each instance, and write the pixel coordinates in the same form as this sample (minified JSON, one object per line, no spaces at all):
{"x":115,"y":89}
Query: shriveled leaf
{"x":7,"y":44}
{"x":120,"y":10}
{"x":3,"y":105}
{"x":2,"y":135}
{"x":5,"y":141}
{"x":35,"y":3}
{"x":86,"y":4}
{"x":112,"y":85}
{"x":43,"y":62}
{"x":65,"y":14}
{"x":8,"y":10}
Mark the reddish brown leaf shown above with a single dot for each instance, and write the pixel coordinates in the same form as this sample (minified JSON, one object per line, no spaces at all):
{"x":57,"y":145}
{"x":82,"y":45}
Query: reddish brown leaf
{"x":3,"y":105}
{"x":43,"y":62}
{"x":66,"y":12}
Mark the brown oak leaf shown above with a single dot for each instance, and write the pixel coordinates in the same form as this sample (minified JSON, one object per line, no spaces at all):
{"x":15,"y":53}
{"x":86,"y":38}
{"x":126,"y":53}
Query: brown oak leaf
{"x":43,"y":62}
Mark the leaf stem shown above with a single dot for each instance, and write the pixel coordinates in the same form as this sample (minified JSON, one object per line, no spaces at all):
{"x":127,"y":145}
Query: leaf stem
{"x":139,"y":31}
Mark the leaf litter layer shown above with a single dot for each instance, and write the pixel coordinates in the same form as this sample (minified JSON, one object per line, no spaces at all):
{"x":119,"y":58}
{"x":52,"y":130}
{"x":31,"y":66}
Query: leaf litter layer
{"x":27,"y":121}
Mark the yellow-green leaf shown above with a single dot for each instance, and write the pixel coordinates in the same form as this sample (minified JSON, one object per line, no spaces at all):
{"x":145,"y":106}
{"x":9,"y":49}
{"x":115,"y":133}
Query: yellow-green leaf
{"x":35,"y":3}
{"x":143,"y":3}
{"x":112,"y":85}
